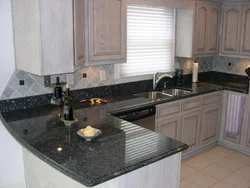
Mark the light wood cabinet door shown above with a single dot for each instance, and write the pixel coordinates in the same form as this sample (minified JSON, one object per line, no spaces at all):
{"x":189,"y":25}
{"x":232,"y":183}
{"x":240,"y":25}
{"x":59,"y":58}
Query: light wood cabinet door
{"x":79,"y":32}
{"x":245,"y":31}
{"x":248,"y":136}
{"x":210,"y":124}
{"x":107,"y":29}
{"x":247,"y":117}
{"x":201,"y":18}
{"x":169,"y":127}
{"x":213,"y":29}
{"x":231,"y":29}
{"x":190,"y":129}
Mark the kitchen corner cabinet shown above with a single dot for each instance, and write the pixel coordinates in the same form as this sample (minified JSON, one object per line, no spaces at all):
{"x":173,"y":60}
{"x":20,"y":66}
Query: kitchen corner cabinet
{"x":44,"y":34}
{"x":107,"y":30}
{"x":236,"y":28}
{"x":207,"y":24}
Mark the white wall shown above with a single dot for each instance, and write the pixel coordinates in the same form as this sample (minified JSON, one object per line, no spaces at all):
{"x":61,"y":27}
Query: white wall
{"x":11,"y":159}
{"x":7,"y":59}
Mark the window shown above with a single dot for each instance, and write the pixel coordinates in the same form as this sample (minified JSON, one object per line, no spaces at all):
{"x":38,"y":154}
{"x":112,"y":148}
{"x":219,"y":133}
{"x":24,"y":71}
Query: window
{"x":150,"y":41}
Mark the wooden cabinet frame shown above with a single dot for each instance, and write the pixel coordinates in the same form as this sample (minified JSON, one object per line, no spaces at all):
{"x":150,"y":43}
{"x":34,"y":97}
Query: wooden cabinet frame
{"x":97,"y":25}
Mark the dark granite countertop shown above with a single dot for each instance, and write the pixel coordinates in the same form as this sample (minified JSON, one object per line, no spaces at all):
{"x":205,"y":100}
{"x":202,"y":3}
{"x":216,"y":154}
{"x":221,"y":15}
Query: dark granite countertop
{"x":112,"y":154}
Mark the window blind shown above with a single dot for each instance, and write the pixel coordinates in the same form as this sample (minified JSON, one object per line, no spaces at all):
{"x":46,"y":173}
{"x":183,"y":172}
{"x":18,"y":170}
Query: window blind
{"x":150,"y":41}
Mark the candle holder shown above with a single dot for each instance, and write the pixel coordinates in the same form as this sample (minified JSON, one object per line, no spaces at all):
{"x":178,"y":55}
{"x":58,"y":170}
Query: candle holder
{"x":69,"y":123}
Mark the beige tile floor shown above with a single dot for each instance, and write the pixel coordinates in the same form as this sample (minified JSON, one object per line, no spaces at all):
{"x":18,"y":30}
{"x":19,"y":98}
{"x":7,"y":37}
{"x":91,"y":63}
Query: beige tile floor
{"x":218,"y":167}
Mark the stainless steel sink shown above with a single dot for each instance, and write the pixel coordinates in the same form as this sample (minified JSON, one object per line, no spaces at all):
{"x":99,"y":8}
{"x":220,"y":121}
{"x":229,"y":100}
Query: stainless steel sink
{"x":176,"y":92}
{"x":155,"y":95}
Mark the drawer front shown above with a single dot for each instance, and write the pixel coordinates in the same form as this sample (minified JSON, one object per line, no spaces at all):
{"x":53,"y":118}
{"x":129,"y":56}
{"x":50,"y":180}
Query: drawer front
{"x":212,"y":99}
{"x":192,"y":104}
{"x":167,"y":110}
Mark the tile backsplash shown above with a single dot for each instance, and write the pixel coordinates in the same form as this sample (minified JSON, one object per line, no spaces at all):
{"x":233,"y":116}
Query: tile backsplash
{"x":229,"y":65}
{"x":34,"y":85}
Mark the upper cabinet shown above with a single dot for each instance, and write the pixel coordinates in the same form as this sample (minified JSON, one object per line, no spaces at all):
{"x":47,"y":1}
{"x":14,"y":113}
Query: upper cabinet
{"x":107,"y":29}
{"x":231,"y":29}
{"x":198,"y":29}
{"x":213,"y":29}
{"x":207,"y":24}
{"x":61,"y":36}
{"x":236,"y":28}
{"x":44,"y":35}
{"x":201,"y":19}
{"x":245,"y":31}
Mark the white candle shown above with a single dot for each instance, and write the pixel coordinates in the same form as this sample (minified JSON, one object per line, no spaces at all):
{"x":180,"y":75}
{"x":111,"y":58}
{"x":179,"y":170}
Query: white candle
{"x":195,"y":72}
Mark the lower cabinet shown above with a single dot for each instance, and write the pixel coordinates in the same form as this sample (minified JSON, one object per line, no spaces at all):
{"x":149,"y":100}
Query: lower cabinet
{"x":194,"y":121}
{"x":169,"y":127}
{"x":210,"y":124}
{"x":247,"y":117}
{"x":248,"y":137}
{"x":190,"y":129}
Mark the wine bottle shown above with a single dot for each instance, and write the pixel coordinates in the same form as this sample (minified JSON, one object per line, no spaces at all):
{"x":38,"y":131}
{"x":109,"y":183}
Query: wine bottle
{"x":68,"y":105}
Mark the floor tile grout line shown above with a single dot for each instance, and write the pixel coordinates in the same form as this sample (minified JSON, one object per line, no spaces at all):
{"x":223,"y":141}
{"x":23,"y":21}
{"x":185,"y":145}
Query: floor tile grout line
{"x":194,"y":183}
{"x":220,"y":180}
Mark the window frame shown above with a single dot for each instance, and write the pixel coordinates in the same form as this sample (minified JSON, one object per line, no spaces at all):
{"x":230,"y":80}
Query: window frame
{"x":119,"y":79}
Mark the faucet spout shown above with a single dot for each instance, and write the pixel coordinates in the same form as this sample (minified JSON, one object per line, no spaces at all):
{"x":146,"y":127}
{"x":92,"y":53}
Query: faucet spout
{"x":157,"y":80}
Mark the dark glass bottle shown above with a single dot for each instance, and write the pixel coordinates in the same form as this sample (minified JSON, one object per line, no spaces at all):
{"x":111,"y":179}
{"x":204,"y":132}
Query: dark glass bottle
{"x":68,"y":105}
{"x":58,"y":89}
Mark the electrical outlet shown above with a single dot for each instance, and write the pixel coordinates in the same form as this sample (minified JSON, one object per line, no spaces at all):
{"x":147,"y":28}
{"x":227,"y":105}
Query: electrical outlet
{"x":21,"y":82}
{"x":47,"y":81}
{"x":84,"y":75}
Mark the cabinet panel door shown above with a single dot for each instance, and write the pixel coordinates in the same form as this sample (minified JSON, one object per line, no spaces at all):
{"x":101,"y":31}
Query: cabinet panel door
{"x":169,"y":127}
{"x":210,"y":123}
{"x":245,"y":32}
{"x":213,"y":29}
{"x":79,"y":32}
{"x":190,"y":129}
{"x":231,"y":29}
{"x":107,"y":29}
{"x":201,"y":18}
{"x":248,"y":130}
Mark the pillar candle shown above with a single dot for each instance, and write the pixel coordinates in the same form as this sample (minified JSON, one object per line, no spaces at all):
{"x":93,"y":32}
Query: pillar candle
{"x":195,"y":72}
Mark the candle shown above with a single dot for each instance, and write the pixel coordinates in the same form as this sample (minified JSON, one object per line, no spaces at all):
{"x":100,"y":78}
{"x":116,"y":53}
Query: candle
{"x":195,"y":72}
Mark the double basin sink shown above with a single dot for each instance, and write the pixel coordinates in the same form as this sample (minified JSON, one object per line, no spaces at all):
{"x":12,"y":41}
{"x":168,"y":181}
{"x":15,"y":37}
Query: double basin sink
{"x":164,"y":94}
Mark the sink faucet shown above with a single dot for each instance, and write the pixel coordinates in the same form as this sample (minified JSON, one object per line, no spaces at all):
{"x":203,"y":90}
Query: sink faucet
{"x":157,"y":80}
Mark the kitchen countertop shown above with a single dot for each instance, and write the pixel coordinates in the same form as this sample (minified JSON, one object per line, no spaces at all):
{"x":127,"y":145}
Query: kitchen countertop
{"x":112,"y":154}
{"x":117,"y":151}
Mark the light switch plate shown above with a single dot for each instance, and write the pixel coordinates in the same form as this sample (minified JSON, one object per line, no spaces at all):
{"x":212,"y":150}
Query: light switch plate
{"x":102,"y":75}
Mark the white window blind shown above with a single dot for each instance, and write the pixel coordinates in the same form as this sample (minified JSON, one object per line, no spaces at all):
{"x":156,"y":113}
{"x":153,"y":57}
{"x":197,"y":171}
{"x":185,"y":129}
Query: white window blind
{"x":150,"y":41}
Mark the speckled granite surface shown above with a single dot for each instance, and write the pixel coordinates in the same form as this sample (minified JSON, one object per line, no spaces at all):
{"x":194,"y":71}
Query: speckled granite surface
{"x":114,"y":153}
